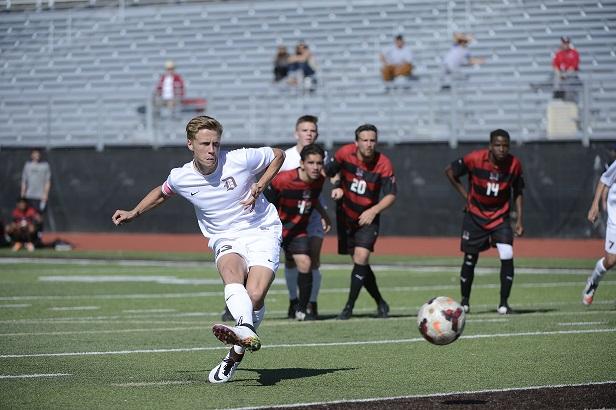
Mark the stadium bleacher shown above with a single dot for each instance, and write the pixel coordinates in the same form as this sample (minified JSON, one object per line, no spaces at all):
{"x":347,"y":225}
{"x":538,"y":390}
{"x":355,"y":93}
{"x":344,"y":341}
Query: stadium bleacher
{"x":75,"y":76}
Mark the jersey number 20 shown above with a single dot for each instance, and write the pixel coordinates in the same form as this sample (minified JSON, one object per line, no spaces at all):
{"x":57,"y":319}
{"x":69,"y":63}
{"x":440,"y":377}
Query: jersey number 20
{"x":358,"y":186}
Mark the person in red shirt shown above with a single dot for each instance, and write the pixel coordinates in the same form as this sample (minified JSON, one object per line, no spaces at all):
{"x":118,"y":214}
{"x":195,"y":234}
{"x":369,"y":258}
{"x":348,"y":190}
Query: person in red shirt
{"x":566,"y":64}
{"x":23,"y":227}
{"x":170,"y":88}
{"x":367,"y":188}
{"x":296,"y":195}
{"x":494,"y":180}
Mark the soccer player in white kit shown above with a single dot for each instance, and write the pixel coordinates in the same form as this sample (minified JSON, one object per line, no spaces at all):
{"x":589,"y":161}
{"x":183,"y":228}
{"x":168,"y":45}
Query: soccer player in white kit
{"x":243,"y":228}
{"x":607,"y":262}
{"x":306,"y":133}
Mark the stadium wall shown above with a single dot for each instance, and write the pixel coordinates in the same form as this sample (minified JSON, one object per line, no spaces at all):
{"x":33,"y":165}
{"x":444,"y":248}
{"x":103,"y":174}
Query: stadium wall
{"x":88,"y":186}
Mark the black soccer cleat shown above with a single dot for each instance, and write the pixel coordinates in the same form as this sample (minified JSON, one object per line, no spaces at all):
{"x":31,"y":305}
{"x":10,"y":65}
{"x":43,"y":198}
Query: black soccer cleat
{"x":346,"y":313}
{"x":292,"y":308}
{"x":382,"y":310}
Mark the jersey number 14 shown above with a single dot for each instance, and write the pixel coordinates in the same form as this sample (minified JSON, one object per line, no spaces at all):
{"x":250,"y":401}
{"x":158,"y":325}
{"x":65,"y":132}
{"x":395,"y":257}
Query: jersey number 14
{"x":492,"y":189}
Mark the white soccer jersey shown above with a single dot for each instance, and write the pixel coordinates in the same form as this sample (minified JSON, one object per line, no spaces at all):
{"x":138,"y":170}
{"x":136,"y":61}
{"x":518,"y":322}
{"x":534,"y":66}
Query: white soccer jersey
{"x":216,"y":197}
{"x":608,"y":178}
{"x":291,"y":159}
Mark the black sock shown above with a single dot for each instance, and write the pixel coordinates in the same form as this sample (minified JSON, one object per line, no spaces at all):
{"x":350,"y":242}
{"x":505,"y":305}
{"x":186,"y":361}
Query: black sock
{"x":371,"y":286}
{"x":506,"y":279}
{"x":467,"y":274}
{"x":358,"y":275}
{"x":304,"y":284}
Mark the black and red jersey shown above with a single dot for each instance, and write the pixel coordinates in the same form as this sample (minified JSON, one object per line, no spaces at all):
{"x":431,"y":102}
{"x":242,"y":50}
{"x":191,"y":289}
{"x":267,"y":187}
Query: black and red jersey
{"x":294,"y":200}
{"x":363,"y":183}
{"x":490,"y":186}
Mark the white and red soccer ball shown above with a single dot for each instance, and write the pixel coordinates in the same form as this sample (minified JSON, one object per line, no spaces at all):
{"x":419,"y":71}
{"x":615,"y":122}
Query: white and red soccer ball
{"x":441,"y":320}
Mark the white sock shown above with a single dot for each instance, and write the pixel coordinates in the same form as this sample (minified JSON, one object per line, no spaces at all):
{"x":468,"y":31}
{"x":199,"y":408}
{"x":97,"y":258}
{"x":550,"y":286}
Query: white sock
{"x":257,"y":318}
{"x":598,"y":272}
{"x":290,"y":276}
{"x":316,"y":284}
{"x":239,"y":303}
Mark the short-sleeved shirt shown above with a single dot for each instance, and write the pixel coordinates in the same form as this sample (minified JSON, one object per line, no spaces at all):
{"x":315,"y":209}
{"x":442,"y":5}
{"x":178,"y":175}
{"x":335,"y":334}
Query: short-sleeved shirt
{"x":567,"y":60}
{"x":295,"y":201}
{"x":363,"y":183}
{"x":216,"y":197}
{"x":456,"y":57}
{"x":490,"y":186}
{"x":35,"y":176}
{"x":396,"y":56}
{"x":28,"y":215}
{"x":608,"y":178}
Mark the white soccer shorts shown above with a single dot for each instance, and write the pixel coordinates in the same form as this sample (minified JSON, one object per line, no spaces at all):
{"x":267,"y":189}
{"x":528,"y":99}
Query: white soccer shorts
{"x":258,"y":247}
{"x":610,"y":239}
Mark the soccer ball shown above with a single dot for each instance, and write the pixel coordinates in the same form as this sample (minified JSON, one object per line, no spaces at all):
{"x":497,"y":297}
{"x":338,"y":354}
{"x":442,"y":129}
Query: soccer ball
{"x":441,"y":320}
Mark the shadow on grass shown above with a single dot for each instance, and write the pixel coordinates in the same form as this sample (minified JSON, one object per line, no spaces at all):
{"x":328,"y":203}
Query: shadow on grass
{"x":269,"y":377}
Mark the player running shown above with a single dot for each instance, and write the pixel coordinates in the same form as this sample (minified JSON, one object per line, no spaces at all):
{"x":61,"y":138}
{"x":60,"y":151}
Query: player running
{"x":296,"y":194}
{"x":494,"y":177}
{"x":607,"y":262}
{"x":243,"y":228}
{"x":365,"y":175}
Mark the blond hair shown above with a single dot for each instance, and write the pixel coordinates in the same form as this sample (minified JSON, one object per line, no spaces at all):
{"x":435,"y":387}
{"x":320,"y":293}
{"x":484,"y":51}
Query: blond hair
{"x":203,"y":122}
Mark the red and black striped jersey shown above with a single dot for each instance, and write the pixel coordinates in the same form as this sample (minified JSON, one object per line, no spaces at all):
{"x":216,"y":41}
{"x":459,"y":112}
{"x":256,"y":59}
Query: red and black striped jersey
{"x":294,"y":200}
{"x":490,"y":186}
{"x":363,"y":183}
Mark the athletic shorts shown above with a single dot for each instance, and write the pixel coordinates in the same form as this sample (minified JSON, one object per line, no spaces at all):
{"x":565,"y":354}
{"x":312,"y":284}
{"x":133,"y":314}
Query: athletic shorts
{"x":476,"y":238}
{"x":610,"y":239}
{"x":315,"y":227}
{"x":258,"y":247}
{"x":360,"y":236}
{"x":298,"y":245}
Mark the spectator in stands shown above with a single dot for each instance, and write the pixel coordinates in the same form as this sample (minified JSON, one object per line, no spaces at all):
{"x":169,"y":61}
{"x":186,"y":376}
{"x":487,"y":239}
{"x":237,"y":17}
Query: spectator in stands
{"x":303,"y":68}
{"x":36,"y":181}
{"x":457,"y":57}
{"x":566,"y":64}
{"x":281,"y":63}
{"x":24,"y":226}
{"x":170,"y":89}
{"x":396,"y":60}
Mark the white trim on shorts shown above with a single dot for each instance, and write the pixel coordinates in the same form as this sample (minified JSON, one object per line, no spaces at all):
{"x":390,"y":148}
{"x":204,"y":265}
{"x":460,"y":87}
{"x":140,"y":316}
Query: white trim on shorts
{"x":258,"y":247}
{"x":610,"y":239}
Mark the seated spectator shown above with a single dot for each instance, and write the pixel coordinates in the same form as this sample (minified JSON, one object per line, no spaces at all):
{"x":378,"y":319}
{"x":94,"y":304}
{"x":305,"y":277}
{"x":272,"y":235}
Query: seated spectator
{"x":566,"y":64}
{"x":396,"y":60}
{"x":457,"y":57}
{"x":281,"y":63}
{"x":302,"y":68}
{"x":170,"y":89}
{"x":23,"y":228}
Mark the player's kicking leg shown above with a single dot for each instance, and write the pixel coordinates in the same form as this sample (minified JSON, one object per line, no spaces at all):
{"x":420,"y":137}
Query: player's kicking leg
{"x":592,"y":283}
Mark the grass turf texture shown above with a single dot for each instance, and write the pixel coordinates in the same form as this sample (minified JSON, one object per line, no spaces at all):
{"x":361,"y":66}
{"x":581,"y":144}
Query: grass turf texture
{"x":139,"y":336}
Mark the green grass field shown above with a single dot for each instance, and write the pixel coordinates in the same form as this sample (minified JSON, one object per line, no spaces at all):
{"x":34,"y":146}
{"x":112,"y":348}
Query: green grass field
{"x":121,"y":334}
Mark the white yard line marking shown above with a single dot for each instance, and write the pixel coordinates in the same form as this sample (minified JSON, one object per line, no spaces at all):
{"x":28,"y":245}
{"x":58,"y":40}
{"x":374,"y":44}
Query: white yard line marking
{"x":16,"y":305}
{"x":148,"y":384}
{"x":423,"y":396}
{"x":149,"y":311}
{"x":300,"y":345}
{"x":345,"y":290}
{"x":86,"y":332}
{"x":70,"y":308}
{"x":582,"y":323}
{"x":32,"y":376}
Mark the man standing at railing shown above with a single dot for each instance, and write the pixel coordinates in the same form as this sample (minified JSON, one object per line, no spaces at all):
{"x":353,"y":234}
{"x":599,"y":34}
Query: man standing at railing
{"x":566,"y":64}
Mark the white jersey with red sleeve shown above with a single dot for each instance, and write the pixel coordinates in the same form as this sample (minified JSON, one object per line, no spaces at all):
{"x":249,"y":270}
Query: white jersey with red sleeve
{"x":217,"y":197}
{"x":608,"y":178}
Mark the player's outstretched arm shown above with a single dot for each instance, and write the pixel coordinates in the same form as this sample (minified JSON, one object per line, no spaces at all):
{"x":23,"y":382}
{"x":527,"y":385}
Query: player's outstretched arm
{"x":154,"y":198}
{"x":593,"y":212}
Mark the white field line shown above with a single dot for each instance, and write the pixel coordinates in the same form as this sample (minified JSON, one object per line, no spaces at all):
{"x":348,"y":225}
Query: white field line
{"x":71,"y":308}
{"x":300,"y":345}
{"x":149,"y":384}
{"x":325,"y":266}
{"x":424,"y":396}
{"x":149,"y":311}
{"x":87,"y":332}
{"x":582,"y":323}
{"x":16,"y":305}
{"x":409,"y":310}
{"x":32,"y":376}
{"x":284,"y":292}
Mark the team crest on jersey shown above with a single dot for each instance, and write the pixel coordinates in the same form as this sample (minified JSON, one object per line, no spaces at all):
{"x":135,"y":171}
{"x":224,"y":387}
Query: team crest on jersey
{"x":466,"y":235}
{"x":359,"y":172}
{"x":306,"y":194}
{"x":494,"y":176}
{"x":229,"y":183}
